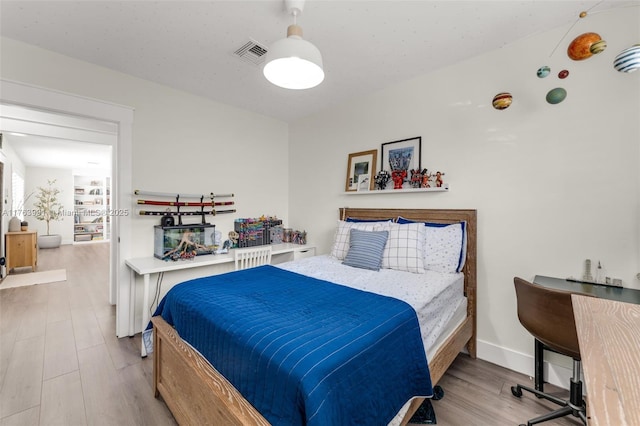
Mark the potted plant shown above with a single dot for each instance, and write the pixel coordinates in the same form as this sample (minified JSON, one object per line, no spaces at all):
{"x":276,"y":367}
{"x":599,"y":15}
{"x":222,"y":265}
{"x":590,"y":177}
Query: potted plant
{"x":48,"y":208}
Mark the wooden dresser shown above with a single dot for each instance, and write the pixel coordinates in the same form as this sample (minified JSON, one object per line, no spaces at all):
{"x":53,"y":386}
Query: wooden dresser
{"x":21,"y":249}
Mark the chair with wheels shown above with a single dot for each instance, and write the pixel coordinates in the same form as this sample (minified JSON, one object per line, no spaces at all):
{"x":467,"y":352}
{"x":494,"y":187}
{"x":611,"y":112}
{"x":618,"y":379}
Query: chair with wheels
{"x":252,"y":257}
{"x":548,"y":315}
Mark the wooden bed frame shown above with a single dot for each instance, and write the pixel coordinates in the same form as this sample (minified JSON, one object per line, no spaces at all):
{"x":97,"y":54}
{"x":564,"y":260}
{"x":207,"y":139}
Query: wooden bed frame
{"x":196,"y":393}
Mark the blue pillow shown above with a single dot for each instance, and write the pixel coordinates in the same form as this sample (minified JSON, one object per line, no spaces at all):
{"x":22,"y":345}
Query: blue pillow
{"x":366,"y":249}
{"x":356,"y":220}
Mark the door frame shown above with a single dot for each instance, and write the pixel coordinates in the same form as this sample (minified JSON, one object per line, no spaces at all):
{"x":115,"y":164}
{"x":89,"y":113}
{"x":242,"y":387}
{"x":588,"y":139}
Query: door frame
{"x":17,"y":93}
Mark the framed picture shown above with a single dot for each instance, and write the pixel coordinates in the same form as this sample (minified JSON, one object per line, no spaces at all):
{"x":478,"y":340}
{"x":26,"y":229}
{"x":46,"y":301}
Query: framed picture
{"x":361,"y":166}
{"x":401,"y":155}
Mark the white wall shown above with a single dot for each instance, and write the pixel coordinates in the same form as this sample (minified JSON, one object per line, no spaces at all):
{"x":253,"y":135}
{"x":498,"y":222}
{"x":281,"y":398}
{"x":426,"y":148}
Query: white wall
{"x":12,"y":163}
{"x":553,"y":184}
{"x":182,"y":143}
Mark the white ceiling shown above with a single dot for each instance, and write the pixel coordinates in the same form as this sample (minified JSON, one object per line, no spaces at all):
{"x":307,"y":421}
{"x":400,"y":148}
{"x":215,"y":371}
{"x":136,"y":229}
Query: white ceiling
{"x":38,"y":151}
{"x":44,"y":139}
{"x":188,"y":45}
{"x":366,"y":45}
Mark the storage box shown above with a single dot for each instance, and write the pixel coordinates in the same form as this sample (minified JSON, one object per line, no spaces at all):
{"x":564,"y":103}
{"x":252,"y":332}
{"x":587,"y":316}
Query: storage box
{"x":277,"y":234}
{"x":183,"y":241}
{"x":255,"y":232}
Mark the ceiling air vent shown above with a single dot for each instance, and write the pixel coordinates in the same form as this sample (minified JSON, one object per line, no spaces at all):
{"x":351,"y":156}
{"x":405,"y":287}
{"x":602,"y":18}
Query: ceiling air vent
{"x":252,"y":52}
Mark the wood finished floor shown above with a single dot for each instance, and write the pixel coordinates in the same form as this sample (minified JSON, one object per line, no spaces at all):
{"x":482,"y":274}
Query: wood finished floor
{"x":61,"y":364}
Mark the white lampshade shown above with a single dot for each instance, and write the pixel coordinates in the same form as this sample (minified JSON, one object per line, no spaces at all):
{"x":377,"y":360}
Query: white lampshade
{"x":294,"y":63}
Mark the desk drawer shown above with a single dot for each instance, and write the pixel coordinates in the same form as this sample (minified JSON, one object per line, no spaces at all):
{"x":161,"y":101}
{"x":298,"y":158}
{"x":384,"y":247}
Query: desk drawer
{"x":303,"y":254}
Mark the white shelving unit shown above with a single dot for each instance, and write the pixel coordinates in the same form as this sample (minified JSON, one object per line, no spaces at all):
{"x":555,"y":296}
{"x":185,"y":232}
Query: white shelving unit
{"x":444,"y":188}
{"x":92,"y":202}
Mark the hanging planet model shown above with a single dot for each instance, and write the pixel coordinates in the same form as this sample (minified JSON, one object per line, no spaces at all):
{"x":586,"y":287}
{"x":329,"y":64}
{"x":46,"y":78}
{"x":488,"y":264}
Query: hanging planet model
{"x":557,"y":95}
{"x":502,"y":100}
{"x":628,"y":60}
{"x":598,"y":47}
{"x":580,"y":47}
{"x":543,"y":71}
{"x":563,"y":74}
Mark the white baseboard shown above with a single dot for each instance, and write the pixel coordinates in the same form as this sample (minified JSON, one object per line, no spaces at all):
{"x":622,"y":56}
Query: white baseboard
{"x":523,"y":363}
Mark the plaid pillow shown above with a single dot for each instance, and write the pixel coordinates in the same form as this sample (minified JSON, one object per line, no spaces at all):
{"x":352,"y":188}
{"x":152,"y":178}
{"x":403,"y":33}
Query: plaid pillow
{"x":341,"y":239}
{"x":405,"y":248}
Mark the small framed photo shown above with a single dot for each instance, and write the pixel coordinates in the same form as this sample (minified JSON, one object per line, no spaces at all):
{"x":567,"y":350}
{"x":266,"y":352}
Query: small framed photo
{"x":361,"y":166}
{"x":401,"y":155}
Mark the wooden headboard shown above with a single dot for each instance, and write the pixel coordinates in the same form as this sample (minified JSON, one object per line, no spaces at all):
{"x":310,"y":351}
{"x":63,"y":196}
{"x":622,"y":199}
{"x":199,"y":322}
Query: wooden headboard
{"x":437,"y":216}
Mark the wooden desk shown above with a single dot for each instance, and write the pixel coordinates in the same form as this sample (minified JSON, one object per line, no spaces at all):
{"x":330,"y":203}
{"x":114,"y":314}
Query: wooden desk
{"x":609,"y":338}
{"x":146,"y":266}
{"x":21,"y":249}
{"x":601,"y":291}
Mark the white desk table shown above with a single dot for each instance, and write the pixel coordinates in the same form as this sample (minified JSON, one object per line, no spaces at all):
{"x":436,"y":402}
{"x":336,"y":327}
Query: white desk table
{"x":145,"y":266}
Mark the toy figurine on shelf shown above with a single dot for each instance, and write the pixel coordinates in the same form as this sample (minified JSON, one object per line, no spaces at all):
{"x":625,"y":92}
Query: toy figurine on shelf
{"x":439,"y":181}
{"x":416,"y":178}
{"x":425,"y":179}
{"x":233,"y":239}
{"x":381,"y":179}
{"x":398,"y":177}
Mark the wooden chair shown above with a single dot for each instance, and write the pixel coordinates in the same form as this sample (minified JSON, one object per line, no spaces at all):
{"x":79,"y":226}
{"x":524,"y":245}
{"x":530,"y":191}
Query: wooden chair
{"x":548,"y":315}
{"x":252,"y":257}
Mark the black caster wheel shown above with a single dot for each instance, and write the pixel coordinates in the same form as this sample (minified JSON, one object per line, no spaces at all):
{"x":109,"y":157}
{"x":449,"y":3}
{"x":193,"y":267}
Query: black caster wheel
{"x":516,"y":391}
{"x":438,"y":392}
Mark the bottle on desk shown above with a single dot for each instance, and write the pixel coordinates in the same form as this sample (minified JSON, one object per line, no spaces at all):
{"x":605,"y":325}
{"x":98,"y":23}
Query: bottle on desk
{"x":587,"y":271}
{"x":600,"y":274}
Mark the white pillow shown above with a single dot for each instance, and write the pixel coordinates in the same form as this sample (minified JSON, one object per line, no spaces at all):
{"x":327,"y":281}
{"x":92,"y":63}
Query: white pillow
{"x":341,"y":239}
{"x":405,"y":248}
{"x":444,"y":248}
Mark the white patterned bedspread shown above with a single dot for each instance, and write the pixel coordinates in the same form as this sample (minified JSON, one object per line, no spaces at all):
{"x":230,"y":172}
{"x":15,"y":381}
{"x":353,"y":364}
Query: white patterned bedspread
{"x":435,"y":296}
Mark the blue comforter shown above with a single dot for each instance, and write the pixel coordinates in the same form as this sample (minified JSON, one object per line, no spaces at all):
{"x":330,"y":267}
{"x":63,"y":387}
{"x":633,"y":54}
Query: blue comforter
{"x":304,"y":351}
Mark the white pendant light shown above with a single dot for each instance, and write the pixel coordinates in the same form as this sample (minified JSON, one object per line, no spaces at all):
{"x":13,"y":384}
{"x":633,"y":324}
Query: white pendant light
{"x":294,"y":63}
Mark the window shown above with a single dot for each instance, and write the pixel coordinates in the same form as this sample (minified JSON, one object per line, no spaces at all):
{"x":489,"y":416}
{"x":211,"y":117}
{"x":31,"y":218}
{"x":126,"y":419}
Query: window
{"x":17,"y":196}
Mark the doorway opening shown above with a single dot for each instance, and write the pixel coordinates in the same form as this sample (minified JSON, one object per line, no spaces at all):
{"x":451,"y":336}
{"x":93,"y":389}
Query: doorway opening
{"x":114,"y":128}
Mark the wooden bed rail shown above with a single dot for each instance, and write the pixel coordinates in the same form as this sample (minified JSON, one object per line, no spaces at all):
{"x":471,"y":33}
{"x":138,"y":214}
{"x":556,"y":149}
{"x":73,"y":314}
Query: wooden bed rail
{"x":195,"y":392}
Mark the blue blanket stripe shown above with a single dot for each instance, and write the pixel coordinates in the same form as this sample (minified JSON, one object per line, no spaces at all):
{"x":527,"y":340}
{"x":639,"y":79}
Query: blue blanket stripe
{"x":301,"y":350}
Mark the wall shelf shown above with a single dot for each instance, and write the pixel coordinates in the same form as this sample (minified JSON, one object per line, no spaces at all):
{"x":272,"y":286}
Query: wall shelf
{"x":399,"y":191}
